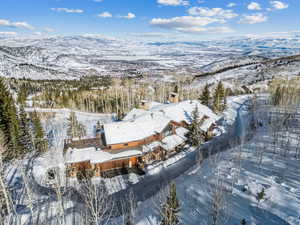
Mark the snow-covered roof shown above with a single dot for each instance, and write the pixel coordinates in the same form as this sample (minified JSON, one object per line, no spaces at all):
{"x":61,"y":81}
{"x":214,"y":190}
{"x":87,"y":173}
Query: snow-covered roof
{"x":79,"y":155}
{"x":97,"y":156}
{"x":181,"y":131}
{"x":182,"y":111}
{"x":150,"y":147}
{"x":101,"y":156}
{"x":170,"y":142}
{"x":140,"y":124}
{"x":138,"y":112}
{"x":134,"y":113}
{"x":127,"y":131}
{"x":207,"y":124}
{"x":177,"y":112}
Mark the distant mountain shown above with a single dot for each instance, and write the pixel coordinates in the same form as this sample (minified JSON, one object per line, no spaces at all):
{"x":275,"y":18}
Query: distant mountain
{"x":71,"y":57}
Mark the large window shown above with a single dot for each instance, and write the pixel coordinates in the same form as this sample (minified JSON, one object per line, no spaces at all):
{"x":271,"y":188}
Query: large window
{"x":168,"y":130}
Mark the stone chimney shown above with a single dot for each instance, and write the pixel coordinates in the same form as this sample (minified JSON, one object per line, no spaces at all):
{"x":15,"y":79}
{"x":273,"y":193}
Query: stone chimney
{"x":173,"y":97}
{"x":144,"y":105}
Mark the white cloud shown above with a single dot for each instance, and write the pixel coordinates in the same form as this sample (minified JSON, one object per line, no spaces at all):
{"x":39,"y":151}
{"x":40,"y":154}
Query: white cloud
{"x":213,"y":12}
{"x":254,"y":6}
{"x":49,"y":30}
{"x":128,"y":16}
{"x":206,"y":30}
{"x":253,"y":18}
{"x":8,"y":33}
{"x":105,"y":15}
{"x":173,"y":2}
{"x":278,"y":5}
{"x":231,"y":4}
{"x":183,"y":22}
{"x":98,"y":0}
{"x":66,"y":10}
{"x":38,"y":33}
{"x":191,"y":24}
{"x":24,"y":25}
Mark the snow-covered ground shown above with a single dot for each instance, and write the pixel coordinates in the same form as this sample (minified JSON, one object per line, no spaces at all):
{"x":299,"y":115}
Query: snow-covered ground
{"x":56,"y":130}
{"x":258,"y":167}
{"x":71,"y":57}
{"x":245,"y":171}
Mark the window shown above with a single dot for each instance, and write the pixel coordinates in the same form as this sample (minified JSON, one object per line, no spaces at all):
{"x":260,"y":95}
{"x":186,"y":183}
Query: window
{"x":168,"y":130}
{"x":126,"y":144}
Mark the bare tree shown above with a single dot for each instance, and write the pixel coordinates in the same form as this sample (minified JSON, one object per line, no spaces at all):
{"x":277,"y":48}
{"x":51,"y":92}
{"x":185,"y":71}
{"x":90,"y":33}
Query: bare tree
{"x":98,"y":203}
{"x":219,"y":194}
{"x":128,"y":209}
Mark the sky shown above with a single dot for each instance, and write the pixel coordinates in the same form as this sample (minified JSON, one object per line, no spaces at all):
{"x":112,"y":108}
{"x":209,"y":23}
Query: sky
{"x":149,"y":19}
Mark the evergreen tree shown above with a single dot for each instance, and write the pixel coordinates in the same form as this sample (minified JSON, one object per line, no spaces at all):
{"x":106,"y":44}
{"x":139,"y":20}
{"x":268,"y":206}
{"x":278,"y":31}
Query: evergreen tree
{"x":219,"y":103}
{"x":22,"y":95}
{"x":75,"y":129}
{"x":276,"y":98}
{"x":195,"y":135}
{"x":9,"y":121}
{"x":40,"y":143}
{"x":25,"y":136}
{"x":205,"y":98}
{"x":171,"y":208}
{"x":260,"y":195}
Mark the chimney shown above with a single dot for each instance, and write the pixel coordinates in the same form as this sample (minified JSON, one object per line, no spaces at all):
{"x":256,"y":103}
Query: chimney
{"x":173,"y":97}
{"x":144,"y":104}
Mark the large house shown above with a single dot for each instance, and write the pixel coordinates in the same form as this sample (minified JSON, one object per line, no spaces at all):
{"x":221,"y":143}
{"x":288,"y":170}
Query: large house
{"x":153,"y":132}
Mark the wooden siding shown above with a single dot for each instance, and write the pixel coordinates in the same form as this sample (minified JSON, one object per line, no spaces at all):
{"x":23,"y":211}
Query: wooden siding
{"x":115,"y":164}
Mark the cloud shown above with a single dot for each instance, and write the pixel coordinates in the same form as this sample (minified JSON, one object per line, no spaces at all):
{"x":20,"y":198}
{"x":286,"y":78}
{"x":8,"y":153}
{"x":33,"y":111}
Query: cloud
{"x":128,"y":16}
{"x":24,"y":25}
{"x":183,"y":22}
{"x":191,"y":24}
{"x":66,"y":10}
{"x":213,"y":12}
{"x":278,"y":5}
{"x":231,"y":4}
{"x":38,"y":33}
{"x":98,"y":0}
{"x":207,"y":30}
{"x":8,"y":33}
{"x":254,"y":6}
{"x":49,"y":30}
{"x":173,"y":2}
{"x":105,"y":15}
{"x":253,"y":18}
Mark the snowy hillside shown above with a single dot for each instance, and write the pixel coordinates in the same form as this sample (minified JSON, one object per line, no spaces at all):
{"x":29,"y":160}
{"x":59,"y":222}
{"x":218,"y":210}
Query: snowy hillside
{"x":75,"y":56}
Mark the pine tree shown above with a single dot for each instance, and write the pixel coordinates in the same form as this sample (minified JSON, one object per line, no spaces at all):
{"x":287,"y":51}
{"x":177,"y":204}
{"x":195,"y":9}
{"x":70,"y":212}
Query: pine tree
{"x":9,"y":121}
{"x":219,"y":103}
{"x":195,"y":135}
{"x":22,"y":95}
{"x":171,"y":208}
{"x":25,"y":136}
{"x":260,"y":195}
{"x":276,"y":98}
{"x":75,"y":129}
{"x":205,"y":98}
{"x":40,"y":142}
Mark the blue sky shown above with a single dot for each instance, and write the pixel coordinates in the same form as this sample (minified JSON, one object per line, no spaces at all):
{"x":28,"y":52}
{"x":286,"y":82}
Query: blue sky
{"x":168,"y":19}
